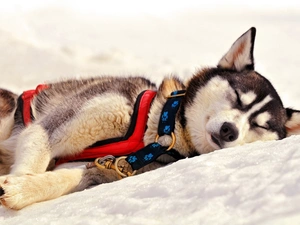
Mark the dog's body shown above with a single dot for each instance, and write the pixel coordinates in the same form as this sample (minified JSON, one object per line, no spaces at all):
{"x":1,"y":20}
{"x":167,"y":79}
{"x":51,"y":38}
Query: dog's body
{"x":225,"y":106}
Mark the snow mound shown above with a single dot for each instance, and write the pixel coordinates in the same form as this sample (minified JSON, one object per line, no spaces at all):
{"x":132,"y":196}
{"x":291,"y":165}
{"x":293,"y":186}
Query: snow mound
{"x":253,"y":184}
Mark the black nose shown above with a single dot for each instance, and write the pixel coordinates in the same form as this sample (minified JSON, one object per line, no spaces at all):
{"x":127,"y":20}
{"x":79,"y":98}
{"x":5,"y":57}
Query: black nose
{"x":228,"y":132}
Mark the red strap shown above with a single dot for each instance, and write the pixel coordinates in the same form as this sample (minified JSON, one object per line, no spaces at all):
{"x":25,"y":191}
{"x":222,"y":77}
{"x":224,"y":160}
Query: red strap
{"x":132,"y":144}
{"x":27,"y":96}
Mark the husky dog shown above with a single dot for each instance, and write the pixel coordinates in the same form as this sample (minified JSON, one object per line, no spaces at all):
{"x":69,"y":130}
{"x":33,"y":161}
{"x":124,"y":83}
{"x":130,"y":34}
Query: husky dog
{"x":223,"y":106}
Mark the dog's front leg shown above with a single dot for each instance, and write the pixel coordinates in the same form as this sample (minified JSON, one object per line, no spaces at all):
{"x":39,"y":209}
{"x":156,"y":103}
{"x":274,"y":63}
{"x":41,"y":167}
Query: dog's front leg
{"x":33,"y":151}
{"x":20,"y":191}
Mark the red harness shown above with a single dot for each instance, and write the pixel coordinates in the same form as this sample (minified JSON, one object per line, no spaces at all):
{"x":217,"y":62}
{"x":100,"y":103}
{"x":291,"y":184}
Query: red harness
{"x":131,"y":142}
{"x":27,"y":96}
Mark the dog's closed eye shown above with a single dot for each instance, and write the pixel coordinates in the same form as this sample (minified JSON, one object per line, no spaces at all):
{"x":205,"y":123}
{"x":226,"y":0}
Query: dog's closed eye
{"x":262,"y":126}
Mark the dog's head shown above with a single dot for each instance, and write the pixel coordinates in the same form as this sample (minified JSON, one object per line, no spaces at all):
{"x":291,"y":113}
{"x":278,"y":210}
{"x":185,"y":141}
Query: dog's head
{"x":232,"y":104}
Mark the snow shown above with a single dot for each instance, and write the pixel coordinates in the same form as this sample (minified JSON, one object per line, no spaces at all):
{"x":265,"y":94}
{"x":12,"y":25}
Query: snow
{"x":253,"y":184}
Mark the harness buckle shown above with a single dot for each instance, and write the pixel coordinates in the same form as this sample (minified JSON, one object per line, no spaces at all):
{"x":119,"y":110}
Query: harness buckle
{"x":105,"y":162}
{"x":110,"y":162}
{"x":173,"y":141}
{"x":122,"y":170}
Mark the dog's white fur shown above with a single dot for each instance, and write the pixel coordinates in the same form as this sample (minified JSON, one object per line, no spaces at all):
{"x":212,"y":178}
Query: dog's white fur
{"x":210,"y":102}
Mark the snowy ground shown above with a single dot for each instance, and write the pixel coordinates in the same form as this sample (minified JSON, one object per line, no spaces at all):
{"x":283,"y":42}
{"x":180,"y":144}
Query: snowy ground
{"x":254,"y":184}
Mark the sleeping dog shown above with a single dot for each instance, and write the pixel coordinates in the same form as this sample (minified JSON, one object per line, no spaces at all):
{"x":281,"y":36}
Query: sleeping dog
{"x":219,"y":107}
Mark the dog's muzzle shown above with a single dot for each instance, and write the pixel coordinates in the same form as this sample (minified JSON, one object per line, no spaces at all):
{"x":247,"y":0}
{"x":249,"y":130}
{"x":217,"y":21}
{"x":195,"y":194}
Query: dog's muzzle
{"x":228,"y":133}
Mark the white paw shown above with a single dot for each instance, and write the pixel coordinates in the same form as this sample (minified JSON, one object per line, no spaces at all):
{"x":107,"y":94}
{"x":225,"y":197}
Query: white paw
{"x":15,"y":192}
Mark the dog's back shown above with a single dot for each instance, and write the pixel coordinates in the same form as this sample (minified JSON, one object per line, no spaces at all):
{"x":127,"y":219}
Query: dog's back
{"x":71,"y":95}
{"x":68,"y":116}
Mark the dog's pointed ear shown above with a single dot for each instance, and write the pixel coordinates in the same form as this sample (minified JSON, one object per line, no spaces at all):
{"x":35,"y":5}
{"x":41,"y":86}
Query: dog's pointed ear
{"x":240,"y":55}
{"x":293,"y":122}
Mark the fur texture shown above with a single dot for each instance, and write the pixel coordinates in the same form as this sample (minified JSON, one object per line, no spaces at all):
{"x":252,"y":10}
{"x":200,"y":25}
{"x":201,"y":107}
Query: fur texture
{"x":224,"y":106}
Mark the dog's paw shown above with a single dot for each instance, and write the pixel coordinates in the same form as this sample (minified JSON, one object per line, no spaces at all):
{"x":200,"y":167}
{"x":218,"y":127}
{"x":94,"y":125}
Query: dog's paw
{"x":1,"y":192}
{"x":12,"y":192}
{"x":2,"y":179}
{"x":8,"y":193}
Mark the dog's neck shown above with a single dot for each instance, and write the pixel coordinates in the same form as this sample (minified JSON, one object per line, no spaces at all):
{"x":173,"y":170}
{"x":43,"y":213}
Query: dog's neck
{"x":182,"y":145}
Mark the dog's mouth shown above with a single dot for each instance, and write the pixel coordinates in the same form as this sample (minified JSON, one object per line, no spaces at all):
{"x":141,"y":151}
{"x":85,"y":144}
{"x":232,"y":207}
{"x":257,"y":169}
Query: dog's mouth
{"x":216,"y":140}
